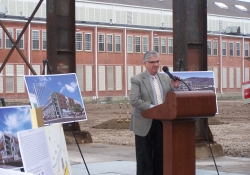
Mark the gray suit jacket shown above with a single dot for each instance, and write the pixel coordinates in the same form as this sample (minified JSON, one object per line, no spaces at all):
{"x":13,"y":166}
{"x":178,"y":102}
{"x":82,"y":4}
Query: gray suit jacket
{"x":141,"y":97}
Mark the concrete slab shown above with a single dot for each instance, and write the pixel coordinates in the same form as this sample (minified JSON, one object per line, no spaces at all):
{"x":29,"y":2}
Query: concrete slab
{"x":120,"y":160}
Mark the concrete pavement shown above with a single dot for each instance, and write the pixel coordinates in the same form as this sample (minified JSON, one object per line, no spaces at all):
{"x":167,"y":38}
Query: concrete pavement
{"x":120,"y":160}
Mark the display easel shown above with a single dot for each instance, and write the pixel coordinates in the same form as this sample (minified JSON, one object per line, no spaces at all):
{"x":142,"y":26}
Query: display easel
{"x":46,"y":69}
{"x":2,"y":101}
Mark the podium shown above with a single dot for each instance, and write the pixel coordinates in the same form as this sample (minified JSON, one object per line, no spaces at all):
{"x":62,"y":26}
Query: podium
{"x":178,"y":114}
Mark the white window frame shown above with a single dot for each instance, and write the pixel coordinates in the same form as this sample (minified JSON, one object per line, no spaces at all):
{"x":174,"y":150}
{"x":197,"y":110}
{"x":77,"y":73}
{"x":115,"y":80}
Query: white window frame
{"x":224,"y":48}
{"x":137,"y":44}
{"x":246,"y":48}
{"x":44,"y":40}
{"x":164,"y":45}
{"x":9,"y":70}
{"x":118,"y":47}
{"x":238,"y":52}
{"x":215,"y":47}
{"x":78,"y":41}
{"x":88,"y":42}
{"x":156,"y":44}
{"x":145,"y":44}
{"x":110,"y":78}
{"x":21,"y":41}
{"x":209,"y":48}
{"x":109,"y":43}
{"x":7,"y":39}
{"x":130,"y":44}
{"x":231,"y":49}
{"x":35,"y":38}
{"x":170,"y":46}
{"x":101,"y":42}
{"x":19,"y":79}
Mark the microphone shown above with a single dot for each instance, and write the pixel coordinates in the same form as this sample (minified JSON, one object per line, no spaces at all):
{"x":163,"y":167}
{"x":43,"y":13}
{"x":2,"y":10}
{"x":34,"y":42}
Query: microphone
{"x":166,"y":70}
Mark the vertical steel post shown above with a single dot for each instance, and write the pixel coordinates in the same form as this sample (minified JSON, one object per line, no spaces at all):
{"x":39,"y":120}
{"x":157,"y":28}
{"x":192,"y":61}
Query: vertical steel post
{"x":61,"y":52}
{"x":190,"y":41}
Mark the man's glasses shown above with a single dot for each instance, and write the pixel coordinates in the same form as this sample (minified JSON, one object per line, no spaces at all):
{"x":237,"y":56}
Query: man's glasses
{"x":153,"y":62}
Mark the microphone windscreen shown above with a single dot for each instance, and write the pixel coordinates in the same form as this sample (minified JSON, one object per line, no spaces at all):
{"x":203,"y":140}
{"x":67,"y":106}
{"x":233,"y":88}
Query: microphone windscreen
{"x":165,"y":68}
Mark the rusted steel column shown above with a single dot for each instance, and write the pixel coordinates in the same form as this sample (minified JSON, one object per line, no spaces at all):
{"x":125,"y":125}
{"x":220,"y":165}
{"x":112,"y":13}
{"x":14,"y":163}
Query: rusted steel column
{"x":61,"y":53}
{"x":190,"y":43}
{"x":190,"y":34}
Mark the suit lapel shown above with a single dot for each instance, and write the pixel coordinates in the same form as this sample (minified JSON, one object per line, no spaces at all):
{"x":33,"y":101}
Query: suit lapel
{"x":148,"y":86}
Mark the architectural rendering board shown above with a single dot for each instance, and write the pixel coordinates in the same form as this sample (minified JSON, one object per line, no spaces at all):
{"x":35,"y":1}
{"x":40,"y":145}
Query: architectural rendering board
{"x":44,"y":151}
{"x":197,"y":81}
{"x":12,"y":120}
{"x":59,"y":97}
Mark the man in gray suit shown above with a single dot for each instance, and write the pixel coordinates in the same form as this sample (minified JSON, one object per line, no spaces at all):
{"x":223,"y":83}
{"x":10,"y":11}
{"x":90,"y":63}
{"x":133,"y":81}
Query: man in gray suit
{"x":149,"y":89}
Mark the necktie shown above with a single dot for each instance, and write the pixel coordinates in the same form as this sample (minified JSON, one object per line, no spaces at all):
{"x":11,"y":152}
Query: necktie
{"x":157,"y":91}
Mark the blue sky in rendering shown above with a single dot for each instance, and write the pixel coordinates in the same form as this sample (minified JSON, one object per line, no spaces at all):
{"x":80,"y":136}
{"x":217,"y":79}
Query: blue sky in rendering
{"x":14,"y":119}
{"x":187,"y":74}
{"x":65,"y":84}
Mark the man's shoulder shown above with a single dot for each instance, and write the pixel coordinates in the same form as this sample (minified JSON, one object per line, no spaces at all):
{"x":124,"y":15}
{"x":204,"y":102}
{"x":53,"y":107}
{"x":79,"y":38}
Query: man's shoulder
{"x":140,"y":75}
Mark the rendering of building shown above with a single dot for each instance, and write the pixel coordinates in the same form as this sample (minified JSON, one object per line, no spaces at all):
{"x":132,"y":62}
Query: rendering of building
{"x":9,"y":148}
{"x":111,"y":38}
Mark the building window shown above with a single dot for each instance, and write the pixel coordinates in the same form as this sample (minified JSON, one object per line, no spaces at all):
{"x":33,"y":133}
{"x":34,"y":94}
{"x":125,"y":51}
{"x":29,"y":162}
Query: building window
{"x":8,"y":43}
{"x":110,"y":77}
{"x":231,"y":49}
{"x":118,"y":43}
{"x":209,"y":48}
{"x":44,"y":40}
{"x":1,"y":38}
{"x":101,"y":43}
{"x":163,"y":45}
{"x":170,"y":46}
{"x":9,"y":78}
{"x":21,"y":42}
{"x":118,"y":77}
{"x":88,"y":42}
{"x":215,"y":48}
{"x":130,"y":44}
{"x":238,"y":49}
{"x":137,"y":44}
{"x":246,"y":49}
{"x":89,"y":78}
{"x":145,"y":44}
{"x":78,"y":41}
{"x":35,"y":40}
{"x":156,"y":44}
{"x":102,"y":83}
{"x":19,"y":79}
{"x":224,"y":49}
{"x":109,"y":43}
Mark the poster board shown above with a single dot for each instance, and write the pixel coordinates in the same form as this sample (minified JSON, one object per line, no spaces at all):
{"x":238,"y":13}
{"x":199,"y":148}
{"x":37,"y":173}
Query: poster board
{"x":246,"y":92}
{"x":196,"y":81}
{"x":58,"y":95}
{"x":44,"y":150}
{"x":12,"y":120}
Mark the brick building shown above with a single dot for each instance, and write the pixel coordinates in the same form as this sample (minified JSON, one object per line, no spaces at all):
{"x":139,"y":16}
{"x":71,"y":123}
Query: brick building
{"x":113,"y":35}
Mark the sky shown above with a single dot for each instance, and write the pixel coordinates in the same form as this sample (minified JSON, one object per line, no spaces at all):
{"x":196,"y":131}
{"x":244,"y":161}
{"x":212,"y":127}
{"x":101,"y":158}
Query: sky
{"x":14,"y":119}
{"x":66,"y":84}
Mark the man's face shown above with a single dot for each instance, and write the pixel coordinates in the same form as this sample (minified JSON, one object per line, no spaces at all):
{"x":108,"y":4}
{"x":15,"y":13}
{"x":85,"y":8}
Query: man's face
{"x":152,"y":65}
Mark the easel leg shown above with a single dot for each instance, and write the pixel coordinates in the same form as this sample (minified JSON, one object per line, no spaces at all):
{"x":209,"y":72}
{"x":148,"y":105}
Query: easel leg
{"x":79,"y":148}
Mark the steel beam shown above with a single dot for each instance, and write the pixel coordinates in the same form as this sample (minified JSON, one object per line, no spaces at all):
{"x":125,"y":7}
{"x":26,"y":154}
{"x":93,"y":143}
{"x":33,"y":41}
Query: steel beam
{"x":61,"y":52}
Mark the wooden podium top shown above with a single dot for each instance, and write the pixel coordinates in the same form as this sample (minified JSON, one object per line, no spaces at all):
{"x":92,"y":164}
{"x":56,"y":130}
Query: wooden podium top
{"x":184,"y":105}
